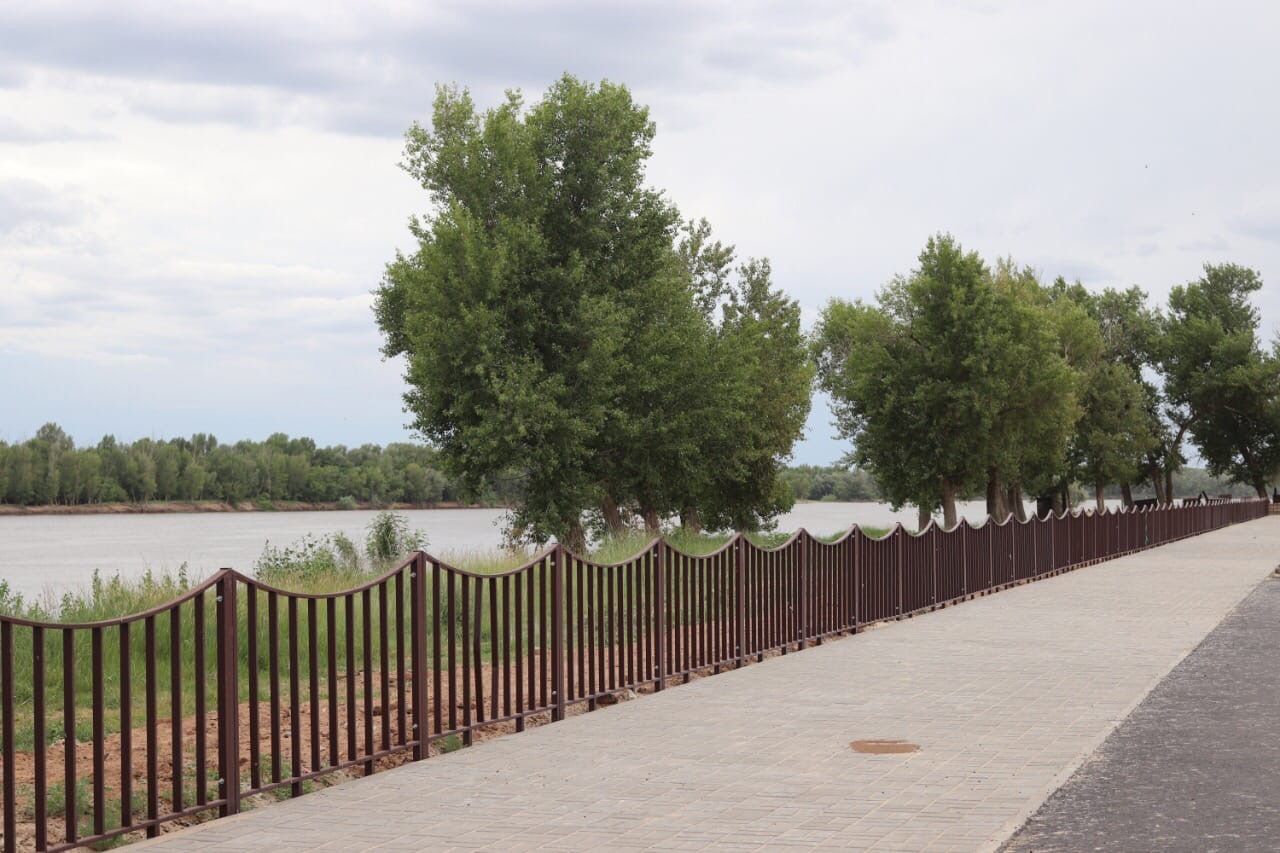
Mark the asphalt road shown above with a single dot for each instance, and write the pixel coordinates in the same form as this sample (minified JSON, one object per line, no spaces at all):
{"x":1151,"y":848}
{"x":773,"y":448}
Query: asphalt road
{"x":1196,"y":767}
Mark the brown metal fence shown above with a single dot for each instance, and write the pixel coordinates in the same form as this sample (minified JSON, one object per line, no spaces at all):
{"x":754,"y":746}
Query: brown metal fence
{"x":239,"y":689}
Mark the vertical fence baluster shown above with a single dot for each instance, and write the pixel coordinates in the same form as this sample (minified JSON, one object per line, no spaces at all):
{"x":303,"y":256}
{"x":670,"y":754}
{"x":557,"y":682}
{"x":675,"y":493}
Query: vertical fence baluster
{"x":99,"y":733}
{"x":593,"y":613}
{"x":229,"y":690}
{"x":544,"y":620}
{"x":40,"y":794}
{"x":418,"y":654}
{"x":384,"y":663}
{"x":71,"y":806}
{"x":313,"y":681}
{"x":494,"y":658}
{"x":465,"y":581}
{"x":660,"y":620}
{"x":349,"y":611}
{"x":453,"y":645}
{"x":557,"y":634}
{"x":531,"y":699}
{"x":506,"y":646}
{"x":7,"y":732}
{"x":273,"y":686}
{"x":572,"y":623}
{"x":295,"y":702}
{"x":331,"y":676}
{"x":366,"y":628}
{"x":477,"y":658}
{"x":126,"y":729}
{"x":401,"y":712}
{"x":519,"y":623}
{"x":438,"y":682}
{"x":201,"y":686}
{"x":153,"y":740}
{"x":175,"y":703}
{"x":252,"y":674}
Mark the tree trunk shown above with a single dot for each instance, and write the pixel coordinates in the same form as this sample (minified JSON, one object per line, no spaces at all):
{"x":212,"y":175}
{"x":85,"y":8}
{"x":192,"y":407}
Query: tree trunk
{"x":575,"y":538}
{"x":652,"y":525}
{"x":612,"y":516}
{"x":995,"y":497}
{"x":1157,"y":483}
{"x":1168,"y":486}
{"x":923,"y":516}
{"x":1098,"y":489}
{"x":1261,"y":488}
{"x":1064,"y":496}
{"x":1016,"y":506}
{"x":690,"y":520}
{"x":1126,"y":495}
{"x":948,"y":505}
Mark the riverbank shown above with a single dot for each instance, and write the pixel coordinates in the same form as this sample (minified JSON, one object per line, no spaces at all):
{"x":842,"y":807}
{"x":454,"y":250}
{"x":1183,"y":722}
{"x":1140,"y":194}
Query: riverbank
{"x":170,"y":507}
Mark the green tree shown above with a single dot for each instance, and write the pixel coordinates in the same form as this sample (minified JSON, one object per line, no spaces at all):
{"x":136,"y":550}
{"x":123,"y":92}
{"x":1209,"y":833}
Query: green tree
{"x":1215,"y":368}
{"x":560,"y":324}
{"x":516,"y":311}
{"x":1037,"y":354}
{"x":766,"y":376}
{"x":911,"y":381}
{"x":1113,"y":435}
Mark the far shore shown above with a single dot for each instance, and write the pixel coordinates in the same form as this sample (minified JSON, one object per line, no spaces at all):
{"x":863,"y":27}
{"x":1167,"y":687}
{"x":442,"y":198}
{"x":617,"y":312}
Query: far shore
{"x":164,"y":507}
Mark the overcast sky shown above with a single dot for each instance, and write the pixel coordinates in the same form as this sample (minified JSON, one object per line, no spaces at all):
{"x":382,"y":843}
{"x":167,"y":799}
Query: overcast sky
{"x":195,"y":205}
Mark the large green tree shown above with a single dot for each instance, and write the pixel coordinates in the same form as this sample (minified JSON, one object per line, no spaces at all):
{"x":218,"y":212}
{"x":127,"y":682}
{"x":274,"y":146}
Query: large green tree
{"x":910,"y":378}
{"x":559,"y":321}
{"x":1215,"y":368}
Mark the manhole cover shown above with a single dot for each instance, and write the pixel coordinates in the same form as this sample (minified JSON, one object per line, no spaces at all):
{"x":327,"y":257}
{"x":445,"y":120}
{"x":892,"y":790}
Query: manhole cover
{"x":884,"y":747}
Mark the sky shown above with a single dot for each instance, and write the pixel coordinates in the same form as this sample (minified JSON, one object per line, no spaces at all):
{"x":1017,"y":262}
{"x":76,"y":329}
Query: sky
{"x":196,"y":201}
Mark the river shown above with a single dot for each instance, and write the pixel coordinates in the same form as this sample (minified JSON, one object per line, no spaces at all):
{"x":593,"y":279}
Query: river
{"x":48,"y":554}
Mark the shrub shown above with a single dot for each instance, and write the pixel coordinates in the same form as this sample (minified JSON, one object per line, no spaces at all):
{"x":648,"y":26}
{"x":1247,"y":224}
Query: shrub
{"x":390,"y":538}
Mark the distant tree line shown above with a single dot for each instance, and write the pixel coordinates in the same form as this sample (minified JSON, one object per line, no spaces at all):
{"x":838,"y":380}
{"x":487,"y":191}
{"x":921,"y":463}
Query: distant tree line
{"x":970,"y":377}
{"x":830,"y":483}
{"x":50,"y":469}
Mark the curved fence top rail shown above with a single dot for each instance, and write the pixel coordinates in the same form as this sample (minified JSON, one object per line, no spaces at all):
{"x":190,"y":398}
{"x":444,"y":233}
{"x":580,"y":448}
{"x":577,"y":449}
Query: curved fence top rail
{"x":290,"y":593}
{"x":541,"y":556}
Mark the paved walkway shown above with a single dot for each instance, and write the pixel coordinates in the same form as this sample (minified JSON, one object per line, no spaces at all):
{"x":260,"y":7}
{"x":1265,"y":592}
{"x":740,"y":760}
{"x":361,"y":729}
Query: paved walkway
{"x":1196,"y":767}
{"x":1005,"y":695}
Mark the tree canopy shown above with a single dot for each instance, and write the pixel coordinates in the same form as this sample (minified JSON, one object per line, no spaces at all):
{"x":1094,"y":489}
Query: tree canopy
{"x":1216,"y":369}
{"x":963,"y":376}
{"x":558,"y":318}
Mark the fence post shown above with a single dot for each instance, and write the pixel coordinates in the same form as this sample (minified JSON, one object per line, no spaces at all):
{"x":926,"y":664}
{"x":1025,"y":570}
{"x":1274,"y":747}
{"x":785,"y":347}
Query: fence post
{"x":802,"y":605}
{"x":740,"y":594}
{"x":229,"y":713}
{"x":418,"y":653}
{"x":557,"y":635}
{"x":660,"y":614}
{"x":933,"y":566}
{"x":900,"y":533}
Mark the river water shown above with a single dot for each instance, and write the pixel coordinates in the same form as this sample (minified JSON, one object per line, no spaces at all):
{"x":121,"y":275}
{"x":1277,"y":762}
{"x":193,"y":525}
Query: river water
{"x":48,"y":554}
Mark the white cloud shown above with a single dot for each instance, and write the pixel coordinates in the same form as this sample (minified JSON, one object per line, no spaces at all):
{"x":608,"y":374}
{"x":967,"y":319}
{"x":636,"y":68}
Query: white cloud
{"x":196,"y":201}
